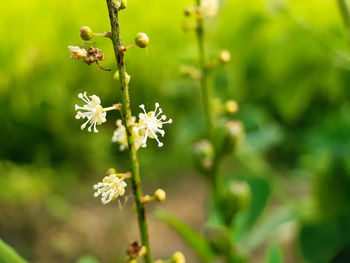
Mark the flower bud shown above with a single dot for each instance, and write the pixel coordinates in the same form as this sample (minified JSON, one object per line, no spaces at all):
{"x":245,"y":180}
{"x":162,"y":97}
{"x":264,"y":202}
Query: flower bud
{"x":234,"y":198}
{"x":231,"y":106}
{"x":242,"y":192}
{"x":160,"y":195}
{"x":141,"y":40}
{"x":203,"y":155}
{"x":178,"y":257}
{"x":117,"y":78}
{"x":86,"y":33}
{"x":111,"y":171}
{"x":234,"y":135}
{"x":225,"y":56}
{"x":219,"y":238}
{"x":123,"y":4}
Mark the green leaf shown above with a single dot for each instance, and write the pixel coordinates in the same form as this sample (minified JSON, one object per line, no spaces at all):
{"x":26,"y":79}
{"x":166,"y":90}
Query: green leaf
{"x":274,"y":255}
{"x":260,"y":192}
{"x":8,"y":254}
{"x":266,"y":227}
{"x":195,"y":240}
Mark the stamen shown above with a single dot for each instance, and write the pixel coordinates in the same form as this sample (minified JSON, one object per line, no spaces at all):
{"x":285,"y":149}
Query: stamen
{"x":84,"y":124}
{"x":160,"y":111}
{"x":95,"y":130}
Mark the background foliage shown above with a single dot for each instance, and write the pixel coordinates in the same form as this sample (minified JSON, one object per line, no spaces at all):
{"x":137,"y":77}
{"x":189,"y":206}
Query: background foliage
{"x":289,"y":73}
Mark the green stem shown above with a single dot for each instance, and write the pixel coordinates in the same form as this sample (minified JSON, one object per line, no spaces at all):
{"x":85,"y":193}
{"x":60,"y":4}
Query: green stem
{"x":344,"y":10}
{"x":206,"y":89}
{"x":207,"y":100}
{"x":126,"y":117}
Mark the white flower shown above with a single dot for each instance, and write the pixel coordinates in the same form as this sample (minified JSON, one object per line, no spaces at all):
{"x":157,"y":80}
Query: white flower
{"x":110,"y":188}
{"x":77,"y":52}
{"x":152,"y":124}
{"x":119,"y":135}
{"x":93,"y":111}
{"x":209,"y":8}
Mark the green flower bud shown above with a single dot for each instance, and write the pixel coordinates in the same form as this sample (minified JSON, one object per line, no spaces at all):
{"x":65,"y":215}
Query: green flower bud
{"x":203,"y":155}
{"x":111,"y":171}
{"x":234,"y":135}
{"x":127,"y":77}
{"x":123,"y":4}
{"x":178,"y":257}
{"x":231,"y":106}
{"x":225,"y":56}
{"x":234,"y":198}
{"x":219,"y":238}
{"x":241,"y":191}
{"x":141,"y":40}
{"x":160,"y":195}
{"x":86,"y":33}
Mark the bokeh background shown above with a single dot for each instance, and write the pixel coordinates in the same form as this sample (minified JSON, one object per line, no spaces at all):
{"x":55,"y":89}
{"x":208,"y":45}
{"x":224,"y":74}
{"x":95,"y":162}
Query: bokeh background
{"x":289,"y":73}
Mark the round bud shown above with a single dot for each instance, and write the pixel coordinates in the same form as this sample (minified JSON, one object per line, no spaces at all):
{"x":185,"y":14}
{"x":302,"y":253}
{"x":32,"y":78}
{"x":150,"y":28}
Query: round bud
{"x":231,"y":106}
{"x":204,"y":154}
{"x":117,"y":78}
{"x":178,"y":257}
{"x":111,"y":171}
{"x":242,"y":192}
{"x":160,"y":195}
{"x":141,"y":40}
{"x":86,"y":33}
{"x":123,"y":4}
{"x":234,"y":135}
{"x":219,"y":238}
{"x":225,"y":56}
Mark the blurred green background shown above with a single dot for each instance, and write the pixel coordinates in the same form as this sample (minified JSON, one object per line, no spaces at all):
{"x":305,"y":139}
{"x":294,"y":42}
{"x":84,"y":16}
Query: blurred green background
{"x":289,"y":73}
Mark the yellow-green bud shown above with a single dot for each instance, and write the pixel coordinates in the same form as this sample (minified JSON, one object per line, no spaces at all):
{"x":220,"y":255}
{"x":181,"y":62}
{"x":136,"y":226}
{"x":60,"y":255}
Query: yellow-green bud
{"x":178,"y":257}
{"x":225,"y":56}
{"x":231,"y":106}
{"x":86,"y":33}
{"x":141,"y":40}
{"x":160,"y":195}
{"x":117,"y":78}
{"x":123,"y":4}
{"x":111,"y":171}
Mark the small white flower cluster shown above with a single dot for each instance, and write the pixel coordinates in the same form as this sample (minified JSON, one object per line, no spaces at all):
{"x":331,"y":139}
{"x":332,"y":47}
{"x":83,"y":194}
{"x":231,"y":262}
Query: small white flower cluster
{"x":148,"y":126}
{"x":209,"y":8}
{"x":110,"y":188}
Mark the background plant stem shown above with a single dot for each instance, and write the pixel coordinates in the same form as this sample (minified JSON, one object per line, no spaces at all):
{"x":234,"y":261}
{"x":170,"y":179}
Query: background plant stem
{"x":126,"y":117}
{"x":207,"y":95}
{"x":344,"y":10}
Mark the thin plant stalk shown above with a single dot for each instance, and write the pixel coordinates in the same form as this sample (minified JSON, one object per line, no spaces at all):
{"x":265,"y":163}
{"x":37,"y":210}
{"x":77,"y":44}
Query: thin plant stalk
{"x":344,"y":10}
{"x":126,"y":118}
{"x":207,"y":94}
